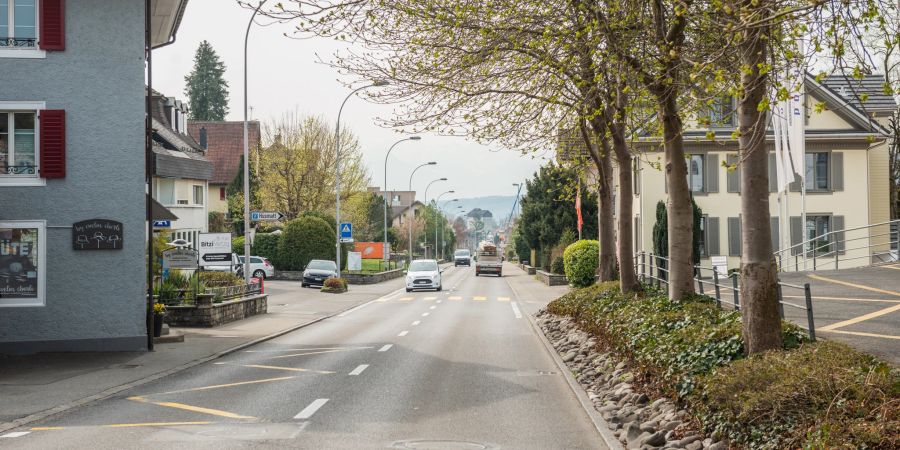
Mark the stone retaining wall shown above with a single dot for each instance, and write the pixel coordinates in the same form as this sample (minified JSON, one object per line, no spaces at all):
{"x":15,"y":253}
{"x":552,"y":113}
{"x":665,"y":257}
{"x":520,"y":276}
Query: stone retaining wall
{"x":372,"y":278}
{"x":208,"y":314}
{"x":287,"y":275}
{"x":551,"y":279}
{"x":529,"y":270}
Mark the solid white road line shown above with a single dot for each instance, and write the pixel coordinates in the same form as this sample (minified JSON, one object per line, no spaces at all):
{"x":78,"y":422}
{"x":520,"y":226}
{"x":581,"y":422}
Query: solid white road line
{"x":416,"y":322}
{"x":403,"y":333}
{"x":311,"y":409}
{"x":359,"y":369}
{"x":515,"y":308}
{"x":425,"y":314}
{"x":385,"y":348}
{"x":15,"y":434}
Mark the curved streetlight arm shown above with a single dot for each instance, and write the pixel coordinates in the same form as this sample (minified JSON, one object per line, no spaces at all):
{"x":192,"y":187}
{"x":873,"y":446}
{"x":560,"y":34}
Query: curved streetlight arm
{"x":247,"y":156}
{"x":411,"y":201}
{"x":426,"y":205}
{"x":387,"y":255}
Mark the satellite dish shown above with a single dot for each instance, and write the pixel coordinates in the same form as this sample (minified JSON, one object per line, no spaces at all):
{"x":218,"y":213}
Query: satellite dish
{"x":179,"y":243}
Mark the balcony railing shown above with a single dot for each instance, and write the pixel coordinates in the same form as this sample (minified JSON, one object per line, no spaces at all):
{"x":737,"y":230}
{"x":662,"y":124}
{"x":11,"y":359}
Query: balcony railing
{"x":18,"y":42}
{"x":23,"y":169}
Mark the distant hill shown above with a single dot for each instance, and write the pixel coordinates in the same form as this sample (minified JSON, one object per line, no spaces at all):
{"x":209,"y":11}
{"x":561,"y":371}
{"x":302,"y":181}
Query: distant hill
{"x":498,"y":205}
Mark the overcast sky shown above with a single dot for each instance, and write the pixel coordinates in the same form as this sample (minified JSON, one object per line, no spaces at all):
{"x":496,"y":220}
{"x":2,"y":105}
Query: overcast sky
{"x":284,"y":76}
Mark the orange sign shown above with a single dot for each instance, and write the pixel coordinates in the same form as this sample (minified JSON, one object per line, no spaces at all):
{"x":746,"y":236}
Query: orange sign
{"x":370,"y":250}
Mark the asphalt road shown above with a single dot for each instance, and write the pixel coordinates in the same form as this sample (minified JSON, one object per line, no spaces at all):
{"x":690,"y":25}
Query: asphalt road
{"x":459,"y":369}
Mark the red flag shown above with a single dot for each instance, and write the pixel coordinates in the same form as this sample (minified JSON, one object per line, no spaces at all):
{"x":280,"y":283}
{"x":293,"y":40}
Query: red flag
{"x":578,"y":209}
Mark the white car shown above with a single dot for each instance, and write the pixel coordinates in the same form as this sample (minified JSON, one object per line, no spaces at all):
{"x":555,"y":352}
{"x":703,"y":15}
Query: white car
{"x":423,"y":274}
{"x":259,"y":267}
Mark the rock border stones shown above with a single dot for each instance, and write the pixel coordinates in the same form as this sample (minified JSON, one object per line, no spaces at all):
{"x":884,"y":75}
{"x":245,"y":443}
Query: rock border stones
{"x":636,"y":420}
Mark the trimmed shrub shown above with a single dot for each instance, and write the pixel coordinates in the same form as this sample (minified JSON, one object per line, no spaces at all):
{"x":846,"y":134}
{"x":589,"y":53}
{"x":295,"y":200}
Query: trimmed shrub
{"x":266,"y":246}
{"x":558,"y":266}
{"x":335,"y":285}
{"x":304,"y":239}
{"x":580,"y":261}
{"x":237,"y":245}
{"x":808,"y":395}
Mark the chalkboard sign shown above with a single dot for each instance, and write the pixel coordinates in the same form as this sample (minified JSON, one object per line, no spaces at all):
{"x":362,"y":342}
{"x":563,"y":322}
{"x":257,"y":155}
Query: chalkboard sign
{"x":97,"y":234}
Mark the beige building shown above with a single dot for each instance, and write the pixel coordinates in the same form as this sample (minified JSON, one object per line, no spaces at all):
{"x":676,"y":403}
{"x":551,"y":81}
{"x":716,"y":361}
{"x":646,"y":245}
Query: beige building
{"x":846,"y":181}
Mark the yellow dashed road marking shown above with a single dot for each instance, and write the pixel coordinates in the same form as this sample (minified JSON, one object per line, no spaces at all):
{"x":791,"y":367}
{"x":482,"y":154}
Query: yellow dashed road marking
{"x":317,"y":353}
{"x":455,"y":298}
{"x":218,"y":386}
{"x":479,"y":298}
{"x":846,"y":299}
{"x":502,"y":299}
{"x":430,"y":298}
{"x":406,"y":299}
{"x":290,"y":369}
{"x":197,"y":409}
{"x":895,"y":267}
{"x":857,"y":333}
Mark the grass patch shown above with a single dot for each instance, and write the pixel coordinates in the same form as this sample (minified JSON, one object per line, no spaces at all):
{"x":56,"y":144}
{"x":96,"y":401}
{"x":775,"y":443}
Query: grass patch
{"x":810,"y":395}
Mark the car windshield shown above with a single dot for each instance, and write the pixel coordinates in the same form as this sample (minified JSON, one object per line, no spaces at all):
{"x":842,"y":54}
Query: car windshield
{"x":462,"y":253}
{"x":423,"y":266}
{"x":321,"y":265}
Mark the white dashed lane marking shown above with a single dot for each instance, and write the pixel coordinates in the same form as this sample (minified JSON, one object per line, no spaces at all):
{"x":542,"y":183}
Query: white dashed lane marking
{"x":425,"y":314}
{"x":385,"y":348}
{"x":416,"y":322}
{"x":516,"y":311}
{"x":403,"y":333}
{"x":15,"y":434}
{"x":432,"y":307}
{"x":359,"y":369}
{"x":311,"y":409}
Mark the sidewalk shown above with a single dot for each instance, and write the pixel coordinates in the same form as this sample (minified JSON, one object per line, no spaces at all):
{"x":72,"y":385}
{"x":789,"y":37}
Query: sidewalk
{"x":35,"y":386}
{"x":532,"y":294}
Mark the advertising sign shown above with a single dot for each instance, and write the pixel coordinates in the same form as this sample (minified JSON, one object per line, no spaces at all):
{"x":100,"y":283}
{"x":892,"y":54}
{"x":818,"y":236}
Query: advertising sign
{"x":371,"y":250}
{"x":97,"y":234}
{"x":179,"y":258}
{"x":214,"y":248}
{"x":19,"y":262}
{"x":354,"y":261}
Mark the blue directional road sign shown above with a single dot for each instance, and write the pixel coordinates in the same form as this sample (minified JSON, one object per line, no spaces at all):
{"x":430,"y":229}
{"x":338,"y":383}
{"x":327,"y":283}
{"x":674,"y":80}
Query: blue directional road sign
{"x":346,"y":232}
{"x":162,"y":224}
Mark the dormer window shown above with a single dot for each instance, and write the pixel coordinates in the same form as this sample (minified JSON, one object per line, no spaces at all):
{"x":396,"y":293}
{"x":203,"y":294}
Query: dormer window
{"x":720,"y":113}
{"x":18,"y":23}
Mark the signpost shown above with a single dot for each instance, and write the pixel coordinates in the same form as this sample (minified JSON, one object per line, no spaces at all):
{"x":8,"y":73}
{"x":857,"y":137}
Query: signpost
{"x":215,"y":248}
{"x":346,"y":232}
{"x":266,"y":216}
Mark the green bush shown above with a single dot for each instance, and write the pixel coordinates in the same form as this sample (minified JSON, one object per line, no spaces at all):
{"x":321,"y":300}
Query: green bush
{"x":266,"y":246}
{"x":810,"y":395}
{"x":304,"y":239}
{"x":237,"y":245}
{"x":581,"y":260}
{"x":558,"y":266}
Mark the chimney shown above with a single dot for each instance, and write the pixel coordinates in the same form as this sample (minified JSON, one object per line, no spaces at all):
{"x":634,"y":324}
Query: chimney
{"x":203,"y":138}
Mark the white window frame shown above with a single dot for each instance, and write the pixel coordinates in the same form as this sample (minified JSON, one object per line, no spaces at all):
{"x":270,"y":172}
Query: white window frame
{"x":25,"y":180}
{"x":28,"y":52}
{"x":194,"y":194}
{"x":41,"y":299}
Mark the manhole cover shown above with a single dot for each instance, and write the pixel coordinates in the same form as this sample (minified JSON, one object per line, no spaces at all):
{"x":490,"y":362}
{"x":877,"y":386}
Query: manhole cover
{"x":428,"y":444}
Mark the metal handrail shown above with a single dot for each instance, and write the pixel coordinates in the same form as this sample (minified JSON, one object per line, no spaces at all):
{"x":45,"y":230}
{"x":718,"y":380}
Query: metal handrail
{"x":801,"y":248}
{"x":640,"y":266}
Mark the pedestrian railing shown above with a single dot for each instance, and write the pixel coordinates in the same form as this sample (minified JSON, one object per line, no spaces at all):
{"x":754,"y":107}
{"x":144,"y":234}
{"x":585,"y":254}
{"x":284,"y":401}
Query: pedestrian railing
{"x":859,"y":246}
{"x":654,"y":270}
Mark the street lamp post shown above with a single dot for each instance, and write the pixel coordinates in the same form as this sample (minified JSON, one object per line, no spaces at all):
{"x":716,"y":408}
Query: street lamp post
{"x":247,"y":156}
{"x":411,"y":201}
{"x":442,"y":226}
{"x":337,"y":173}
{"x":411,"y":138}
{"x":436,"y":201}
{"x":426,"y":206}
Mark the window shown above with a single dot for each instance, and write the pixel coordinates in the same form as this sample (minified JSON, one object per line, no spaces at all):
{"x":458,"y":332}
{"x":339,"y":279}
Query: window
{"x":695,"y":171}
{"x":198,"y":195}
{"x":720,"y":113}
{"x":18,"y":146}
{"x":165,"y":192}
{"x":818,"y":226}
{"x":221,"y":193}
{"x":704,"y":252}
{"x":18,"y":23}
{"x":817,"y":165}
{"x":21,"y":258}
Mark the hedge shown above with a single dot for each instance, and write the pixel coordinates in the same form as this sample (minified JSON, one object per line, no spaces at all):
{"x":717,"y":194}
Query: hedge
{"x":808,"y":395}
{"x":581,"y":260}
{"x":304,"y":239}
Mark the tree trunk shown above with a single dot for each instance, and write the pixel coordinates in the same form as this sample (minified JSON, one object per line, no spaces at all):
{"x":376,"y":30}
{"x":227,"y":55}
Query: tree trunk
{"x":680,"y":214}
{"x":627,"y":276}
{"x":606,"y":271}
{"x":760,"y":319}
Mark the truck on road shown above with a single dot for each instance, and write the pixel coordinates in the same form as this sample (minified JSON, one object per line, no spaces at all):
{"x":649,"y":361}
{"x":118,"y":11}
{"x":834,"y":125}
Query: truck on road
{"x":487,"y":259}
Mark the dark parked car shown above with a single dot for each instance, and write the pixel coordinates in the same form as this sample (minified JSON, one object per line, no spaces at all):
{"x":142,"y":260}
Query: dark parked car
{"x":317,"y":271}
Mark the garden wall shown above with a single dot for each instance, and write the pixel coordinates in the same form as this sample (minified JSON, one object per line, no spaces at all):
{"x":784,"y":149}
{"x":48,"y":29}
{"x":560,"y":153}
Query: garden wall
{"x":372,"y":278}
{"x":208,"y":314}
{"x":551,"y":279}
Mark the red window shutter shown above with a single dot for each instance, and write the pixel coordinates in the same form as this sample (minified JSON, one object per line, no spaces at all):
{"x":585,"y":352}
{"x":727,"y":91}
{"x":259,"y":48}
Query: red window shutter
{"x":221,"y":193}
{"x":53,"y":143}
{"x":53,"y":24}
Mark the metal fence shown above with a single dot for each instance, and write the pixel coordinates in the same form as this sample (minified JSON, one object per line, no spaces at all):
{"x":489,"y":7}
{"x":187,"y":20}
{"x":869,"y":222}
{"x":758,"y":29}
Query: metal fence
{"x":859,"y":246}
{"x":654,"y":270}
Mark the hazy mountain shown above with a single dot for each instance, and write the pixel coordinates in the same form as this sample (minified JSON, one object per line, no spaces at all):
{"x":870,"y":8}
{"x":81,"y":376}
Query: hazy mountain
{"x":498,"y":205}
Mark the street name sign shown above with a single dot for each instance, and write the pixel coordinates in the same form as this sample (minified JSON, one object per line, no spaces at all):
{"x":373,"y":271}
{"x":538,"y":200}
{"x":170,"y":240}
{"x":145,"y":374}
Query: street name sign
{"x":258,"y":216}
{"x":215,"y":247}
{"x":346,"y":232}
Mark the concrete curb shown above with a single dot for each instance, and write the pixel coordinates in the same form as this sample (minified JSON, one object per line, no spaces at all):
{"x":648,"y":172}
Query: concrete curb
{"x":599,"y":423}
{"x":116,"y":389}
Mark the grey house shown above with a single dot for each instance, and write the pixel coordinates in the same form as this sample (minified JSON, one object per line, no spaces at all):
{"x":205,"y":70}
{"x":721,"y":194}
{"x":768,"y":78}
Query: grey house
{"x":72,"y":190}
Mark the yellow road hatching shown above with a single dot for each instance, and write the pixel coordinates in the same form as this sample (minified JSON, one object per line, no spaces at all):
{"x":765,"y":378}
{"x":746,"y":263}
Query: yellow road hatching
{"x":197,"y":409}
{"x":128,"y":425}
{"x":833,"y":327}
{"x":290,"y":369}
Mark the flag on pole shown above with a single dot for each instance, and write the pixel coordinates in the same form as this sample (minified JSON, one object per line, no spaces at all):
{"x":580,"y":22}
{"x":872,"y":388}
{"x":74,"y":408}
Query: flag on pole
{"x":578,"y":208}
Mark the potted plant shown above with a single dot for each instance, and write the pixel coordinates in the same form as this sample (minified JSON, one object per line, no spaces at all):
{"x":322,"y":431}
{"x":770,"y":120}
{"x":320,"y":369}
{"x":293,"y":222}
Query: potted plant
{"x":159,"y":313}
